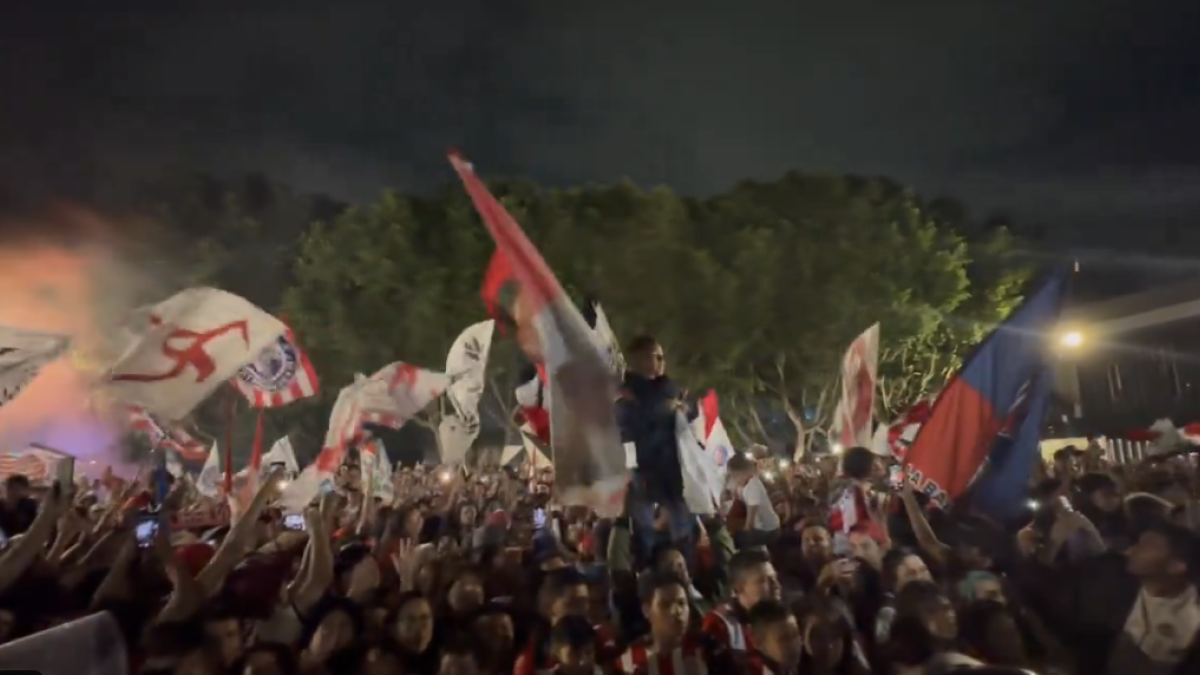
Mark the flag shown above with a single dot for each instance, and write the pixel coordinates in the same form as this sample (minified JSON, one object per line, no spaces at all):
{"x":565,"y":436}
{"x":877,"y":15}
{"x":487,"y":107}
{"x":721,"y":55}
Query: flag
{"x":606,"y":340}
{"x":708,"y":412}
{"x":396,"y":393}
{"x":171,"y":437}
{"x":389,"y":398}
{"x":901,"y":433}
{"x":466,"y":365}
{"x":282,"y":453}
{"x":531,"y":402}
{"x":588,"y":455}
{"x":376,"y":471}
{"x":280,"y":374}
{"x":23,"y":354}
{"x":857,"y":406}
{"x":697,"y":468}
{"x":535,"y":449}
{"x":1000,"y":489}
{"x":989,"y":395}
{"x":719,"y":449}
{"x":196,"y":340}
{"x":456,"y":435}
{"x":209,"y":482}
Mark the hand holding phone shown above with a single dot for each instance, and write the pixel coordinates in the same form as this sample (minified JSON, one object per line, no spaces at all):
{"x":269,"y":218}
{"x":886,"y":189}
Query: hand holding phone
{"x":294,"y":521}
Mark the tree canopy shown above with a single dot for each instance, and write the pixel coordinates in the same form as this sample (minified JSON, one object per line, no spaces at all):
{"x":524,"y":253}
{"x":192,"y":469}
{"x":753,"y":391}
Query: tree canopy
{"x":755,"y":292}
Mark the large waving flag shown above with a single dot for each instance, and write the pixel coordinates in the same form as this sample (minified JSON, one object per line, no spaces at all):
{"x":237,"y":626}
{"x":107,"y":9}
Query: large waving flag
{"x":996,"y":392}
{"x":589,"y":459}
{"x":196,"y":340}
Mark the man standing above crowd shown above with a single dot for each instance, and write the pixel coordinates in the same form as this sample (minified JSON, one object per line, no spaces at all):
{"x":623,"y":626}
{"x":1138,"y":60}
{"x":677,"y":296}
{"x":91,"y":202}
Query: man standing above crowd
{"x":646,"y":414}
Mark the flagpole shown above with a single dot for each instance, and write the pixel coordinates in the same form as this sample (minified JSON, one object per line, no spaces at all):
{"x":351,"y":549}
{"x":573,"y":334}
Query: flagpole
{"x":230,"y":412}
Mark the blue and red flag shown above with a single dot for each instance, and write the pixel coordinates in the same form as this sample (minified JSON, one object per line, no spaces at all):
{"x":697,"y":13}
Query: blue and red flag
{"x":991,"y":411}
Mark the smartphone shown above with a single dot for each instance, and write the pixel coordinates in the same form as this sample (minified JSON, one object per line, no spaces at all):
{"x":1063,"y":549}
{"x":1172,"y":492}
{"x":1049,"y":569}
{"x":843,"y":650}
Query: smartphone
{"x":3,"y":539}
{"x":539,"y":518}
{"x":146,"y":529}
{"x":294,"y":521}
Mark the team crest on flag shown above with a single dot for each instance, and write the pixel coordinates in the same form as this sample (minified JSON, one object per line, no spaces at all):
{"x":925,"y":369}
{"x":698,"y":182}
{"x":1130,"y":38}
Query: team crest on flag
{"x":280,"y":374}
{"x":274,"y":369}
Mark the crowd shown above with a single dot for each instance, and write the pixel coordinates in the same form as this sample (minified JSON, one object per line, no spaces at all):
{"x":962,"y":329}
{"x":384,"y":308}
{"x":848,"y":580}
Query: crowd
{"x":823,"y":568}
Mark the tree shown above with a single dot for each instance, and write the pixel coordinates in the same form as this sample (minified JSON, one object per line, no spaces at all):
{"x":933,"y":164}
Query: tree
{"x":756,"y":292}
{"x":394,"y":281}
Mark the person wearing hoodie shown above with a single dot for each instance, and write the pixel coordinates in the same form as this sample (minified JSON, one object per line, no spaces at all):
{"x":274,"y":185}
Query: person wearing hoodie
{"x":646,"y":414}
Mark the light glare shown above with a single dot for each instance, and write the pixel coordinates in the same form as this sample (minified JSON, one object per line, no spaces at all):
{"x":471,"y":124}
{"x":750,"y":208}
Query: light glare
{"x":1071,"y":339}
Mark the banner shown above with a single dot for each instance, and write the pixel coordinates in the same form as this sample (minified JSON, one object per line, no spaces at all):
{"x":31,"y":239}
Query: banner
{"x":856,"y":408}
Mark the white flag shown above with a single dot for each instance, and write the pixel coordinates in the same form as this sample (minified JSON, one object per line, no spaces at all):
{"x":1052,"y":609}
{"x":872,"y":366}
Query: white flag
{"x":197,"y":339}
{"x":212,"y":474}
{"x":455,"y":437}
{"x":606,"y":341}
{"x":23,"y":354}
{"x":696,"y":469}
{"x":282,"y":453}
{"x":466,"y":365}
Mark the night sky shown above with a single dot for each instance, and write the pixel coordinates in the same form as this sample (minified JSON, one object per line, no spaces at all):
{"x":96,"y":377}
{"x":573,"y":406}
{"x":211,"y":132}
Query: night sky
{"x":1080,"y":114}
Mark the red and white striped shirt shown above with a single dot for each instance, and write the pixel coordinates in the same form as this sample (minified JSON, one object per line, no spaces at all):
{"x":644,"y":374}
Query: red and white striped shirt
{"x":641,"y":658}
{"x":724,"y":625}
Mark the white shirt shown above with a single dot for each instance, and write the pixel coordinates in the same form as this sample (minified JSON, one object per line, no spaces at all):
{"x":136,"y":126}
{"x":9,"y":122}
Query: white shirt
{"x":754,"y":494}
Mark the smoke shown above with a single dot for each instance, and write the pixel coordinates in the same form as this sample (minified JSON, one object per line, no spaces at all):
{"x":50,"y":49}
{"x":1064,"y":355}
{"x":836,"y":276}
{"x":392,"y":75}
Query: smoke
{"x":65,"y":273}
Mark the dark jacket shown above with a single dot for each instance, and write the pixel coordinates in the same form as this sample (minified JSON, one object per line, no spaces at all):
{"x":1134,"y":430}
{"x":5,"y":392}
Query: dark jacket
{"x":646,"y":419}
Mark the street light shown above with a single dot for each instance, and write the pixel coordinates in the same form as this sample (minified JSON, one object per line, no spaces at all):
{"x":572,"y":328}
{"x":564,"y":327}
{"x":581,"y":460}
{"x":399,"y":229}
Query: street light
{"x":1071,"y":339}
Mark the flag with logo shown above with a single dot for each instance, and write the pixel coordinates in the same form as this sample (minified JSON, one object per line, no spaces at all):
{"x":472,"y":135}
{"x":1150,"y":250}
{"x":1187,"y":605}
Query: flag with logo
{"x":280,"y":374}
{"x":589,"y":459}
{"x":195,"y":340}
{"x":855,"y":410}
{"x":991,"y":410}
{"x":466,"y":366}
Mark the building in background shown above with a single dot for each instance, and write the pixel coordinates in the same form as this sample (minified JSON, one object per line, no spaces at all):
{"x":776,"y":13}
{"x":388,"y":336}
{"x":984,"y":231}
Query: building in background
{"x":1127,"y":361}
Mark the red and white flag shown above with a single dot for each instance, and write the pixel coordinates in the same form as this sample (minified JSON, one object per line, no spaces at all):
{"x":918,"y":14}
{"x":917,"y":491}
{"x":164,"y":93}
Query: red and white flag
{"x":589,"y":459}
{"x":389,"y":398}
{"x":857,"y":406}
{"x":167,"y":436}
{"x":397,"y":392}
{"x":196,"y":340}
{"x":279,"y":375}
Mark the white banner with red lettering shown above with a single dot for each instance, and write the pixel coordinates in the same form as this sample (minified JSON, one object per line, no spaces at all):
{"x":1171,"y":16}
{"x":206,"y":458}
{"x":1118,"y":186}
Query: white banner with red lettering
{"x":195,"y":340}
